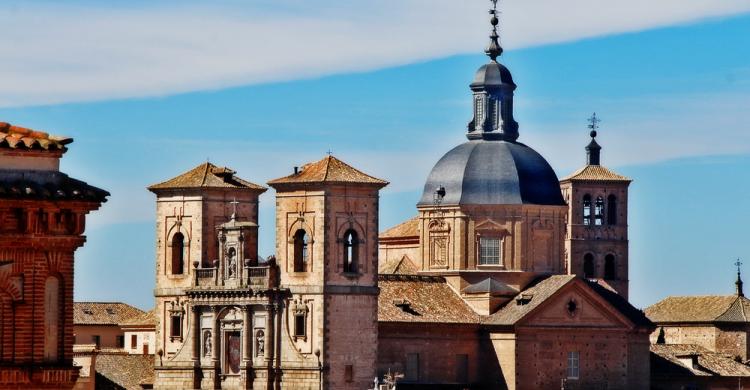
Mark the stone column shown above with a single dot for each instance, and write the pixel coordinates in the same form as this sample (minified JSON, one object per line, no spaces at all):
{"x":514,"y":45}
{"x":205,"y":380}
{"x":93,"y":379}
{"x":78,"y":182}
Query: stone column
{"x":277,"y":345}
{"x":216,"y":338}
{"x":269,"y":344}
{"x":196,"y":321}
{"x":247,"y":335}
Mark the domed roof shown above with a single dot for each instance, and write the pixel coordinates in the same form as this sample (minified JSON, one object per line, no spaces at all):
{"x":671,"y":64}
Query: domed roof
{"x":492,"y":74}
{"x":484,"y":172}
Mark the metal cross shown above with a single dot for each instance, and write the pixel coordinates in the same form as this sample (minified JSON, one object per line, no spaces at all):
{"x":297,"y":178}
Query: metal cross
{"x":594,"y":122}
{"x":329,"y":152}
{"x":234,"y":204}
{"x":738,"y":263}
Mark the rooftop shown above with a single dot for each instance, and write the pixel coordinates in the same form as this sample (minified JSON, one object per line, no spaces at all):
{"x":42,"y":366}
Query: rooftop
{"x":408,"y":228}
{"x":709,"y":308}
{"x":595,"y":173}
{"x":207,"y":175}
{"x":398,"y":266}
{"x":124,"y":371}
{"x":329,"y":170}
{"x":16,"y":137}
{"x":148,"y":318}
{"x":104,"y":313}
{"x":411,"y":298}
{"x":692,"y":360}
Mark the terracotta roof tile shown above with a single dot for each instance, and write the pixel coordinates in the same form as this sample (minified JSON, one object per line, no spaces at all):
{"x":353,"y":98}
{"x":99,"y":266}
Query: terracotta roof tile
{"x":207,"y":175}
{"x":53,"y":185}
{"x":595,"y":173}
{"x":103,"y":313}
{"x":540,"y":292}
{"x":411,"y":298}
{"x":148,"y":318}
{"x":710,"y":308}
{"x":17,"y":137}
{"x":124,"y":371}
{"x":329,"y":170}
{"x":408,"y":228}
{"x":708,"y":363}
{"x":402,"y":266}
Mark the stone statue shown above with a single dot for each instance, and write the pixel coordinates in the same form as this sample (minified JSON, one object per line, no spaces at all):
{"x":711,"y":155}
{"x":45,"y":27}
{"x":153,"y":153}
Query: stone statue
{"x":207,"y":344}
{"x":260,"y":343}
{"x":231,"y":263}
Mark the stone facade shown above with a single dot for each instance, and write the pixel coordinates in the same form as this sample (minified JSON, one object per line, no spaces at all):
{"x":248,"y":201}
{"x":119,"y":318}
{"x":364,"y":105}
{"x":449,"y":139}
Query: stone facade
{"x":42,"y":220}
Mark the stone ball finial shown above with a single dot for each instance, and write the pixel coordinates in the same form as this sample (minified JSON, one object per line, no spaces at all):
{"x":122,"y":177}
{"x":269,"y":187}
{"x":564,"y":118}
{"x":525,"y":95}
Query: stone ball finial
{"x":494,"y":21}
{"x":593,"y":134}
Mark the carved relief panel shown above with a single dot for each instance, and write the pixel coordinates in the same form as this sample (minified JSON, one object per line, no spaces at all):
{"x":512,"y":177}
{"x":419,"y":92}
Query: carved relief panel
{"x":439,"y":241}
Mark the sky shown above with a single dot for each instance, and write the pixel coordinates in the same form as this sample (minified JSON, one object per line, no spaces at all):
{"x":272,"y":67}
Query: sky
{"x":148,"y":90}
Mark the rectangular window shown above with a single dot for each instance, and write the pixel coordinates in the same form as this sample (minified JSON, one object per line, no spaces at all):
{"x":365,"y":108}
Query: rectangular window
{"x":133,"y":341}
{"x":299,"y":325}
{"x":348,"y":373}
{"x":573,"y":365}
{"x":462,"y":368}
{"x":489,"y":251}
{"x":412,"y":367}
{"x":176,"y":330}
{"x":120,"y":341}
{"x":96,"y":340}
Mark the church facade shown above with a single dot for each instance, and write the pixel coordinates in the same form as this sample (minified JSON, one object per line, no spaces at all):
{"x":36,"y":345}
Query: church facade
{"x":506,"y":278}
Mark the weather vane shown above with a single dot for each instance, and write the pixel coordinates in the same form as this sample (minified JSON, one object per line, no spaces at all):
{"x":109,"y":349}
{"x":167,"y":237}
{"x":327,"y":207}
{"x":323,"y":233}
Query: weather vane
{"x":738,"y":263}
{"x":594,"y":124}
{"x":494,"y":50}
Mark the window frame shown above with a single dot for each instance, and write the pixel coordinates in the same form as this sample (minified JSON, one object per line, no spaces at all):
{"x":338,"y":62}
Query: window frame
{"x":351,"y":248}
{"x":586,"y":258}
{"x":573,"y":368}
{"x":611,"y":210}
{"x":587,"y":210}
{"x":177,"y":245}
{"x":481,"y":245}
{"x":610,"y":267}
{"x":300,"y":250}
{"x":599,"y":211}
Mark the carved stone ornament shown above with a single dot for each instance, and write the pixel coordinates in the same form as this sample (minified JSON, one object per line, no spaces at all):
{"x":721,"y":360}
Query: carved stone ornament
{"x":572,"y":307}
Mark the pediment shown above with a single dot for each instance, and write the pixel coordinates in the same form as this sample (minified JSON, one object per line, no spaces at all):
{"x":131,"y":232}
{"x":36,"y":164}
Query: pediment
{"x":576,"y":305}
{"x":489,"y":224}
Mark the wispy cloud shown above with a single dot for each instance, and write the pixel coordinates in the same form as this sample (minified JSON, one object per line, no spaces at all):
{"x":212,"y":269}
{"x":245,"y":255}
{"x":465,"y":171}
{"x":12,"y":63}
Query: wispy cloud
{"x":55,"y":53}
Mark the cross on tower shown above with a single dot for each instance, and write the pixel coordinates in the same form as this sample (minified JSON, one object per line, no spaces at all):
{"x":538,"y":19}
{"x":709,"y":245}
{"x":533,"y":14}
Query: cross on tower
{"x":738,"y":283}
{"x":234,"y":204}
{"x":594,"y":124}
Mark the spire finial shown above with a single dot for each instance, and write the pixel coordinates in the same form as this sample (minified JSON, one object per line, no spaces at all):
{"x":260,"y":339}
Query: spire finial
{"x":494,"y":50}
{"x":234,"y":204}
{"x":738,"y":283}
{"x":593,"y":150}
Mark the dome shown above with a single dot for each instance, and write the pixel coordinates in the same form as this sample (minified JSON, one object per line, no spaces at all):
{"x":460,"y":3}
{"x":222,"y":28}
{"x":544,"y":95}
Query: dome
{"x":492,"y":74}
{"x":491,"y":172}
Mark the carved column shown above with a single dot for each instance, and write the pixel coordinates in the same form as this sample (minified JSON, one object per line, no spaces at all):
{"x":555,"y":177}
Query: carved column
{"x":196,"y":321}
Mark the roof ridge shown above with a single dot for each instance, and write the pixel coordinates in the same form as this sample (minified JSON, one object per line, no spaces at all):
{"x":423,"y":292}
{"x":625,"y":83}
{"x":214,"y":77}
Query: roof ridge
{"x":328,"y":167}
{"x":206,"y":165}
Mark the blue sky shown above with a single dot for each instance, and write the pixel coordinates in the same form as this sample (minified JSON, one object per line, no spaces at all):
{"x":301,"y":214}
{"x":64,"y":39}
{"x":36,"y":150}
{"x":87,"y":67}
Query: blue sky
{"x":673,"y":93}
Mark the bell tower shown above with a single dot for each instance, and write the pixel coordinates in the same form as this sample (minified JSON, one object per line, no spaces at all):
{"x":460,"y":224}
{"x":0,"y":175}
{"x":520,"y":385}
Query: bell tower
{"x":326,"y":248}
{"x":596,"y":240}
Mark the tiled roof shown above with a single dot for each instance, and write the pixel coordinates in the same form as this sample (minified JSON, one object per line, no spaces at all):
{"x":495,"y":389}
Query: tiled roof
{"x":207,"y":175}
{"x":595,"y":173}
{"x":408,"y":228}
{"x":411,"y":298}
{"x":669,"y":356}
{"x":402,"y":266}
{"x":329,"y":170}
{"x":512,"y":312}
{"x":103,"y":313}
{"x":47,"y":185}
{"x":124,"y":371}
{"x":710,"y":308}
{"x":545,"y":289}
{"x":147,"y":318}
{"x":16,"y":137}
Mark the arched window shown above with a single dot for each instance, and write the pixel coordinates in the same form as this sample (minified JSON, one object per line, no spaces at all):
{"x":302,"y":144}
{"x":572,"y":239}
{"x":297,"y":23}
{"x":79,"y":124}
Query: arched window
{"x":599,"y":211}
{"x":610,"y":268}
{"x":587,"y":209}
{"x":612,"y":210}
{"x":588,"y":266}
{"x":178,"y":253}
{"x":300,"y":251}
{"x":351,"y":249}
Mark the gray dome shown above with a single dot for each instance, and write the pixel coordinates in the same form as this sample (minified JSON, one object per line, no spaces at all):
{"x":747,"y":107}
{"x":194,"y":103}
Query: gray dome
{"x":492,"y":75}
{"x":485,"y":172}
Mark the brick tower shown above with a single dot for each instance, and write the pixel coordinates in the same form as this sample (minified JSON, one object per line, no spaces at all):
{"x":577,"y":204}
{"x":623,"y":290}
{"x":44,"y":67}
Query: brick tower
{"x":42,"y":220}
{"x":596,"y":242}
{"x":326,"y":245}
